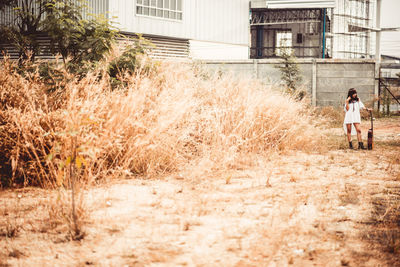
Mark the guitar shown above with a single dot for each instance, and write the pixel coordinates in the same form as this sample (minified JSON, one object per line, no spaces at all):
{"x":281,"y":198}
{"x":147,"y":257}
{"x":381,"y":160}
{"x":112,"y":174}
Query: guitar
{"x":371,"y":134}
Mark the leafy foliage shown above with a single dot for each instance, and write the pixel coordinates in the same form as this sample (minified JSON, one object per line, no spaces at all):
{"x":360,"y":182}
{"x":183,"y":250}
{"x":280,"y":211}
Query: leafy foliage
{"x":128,"y":62}
{"x":80,"y":42}
{"x":290,"y":71}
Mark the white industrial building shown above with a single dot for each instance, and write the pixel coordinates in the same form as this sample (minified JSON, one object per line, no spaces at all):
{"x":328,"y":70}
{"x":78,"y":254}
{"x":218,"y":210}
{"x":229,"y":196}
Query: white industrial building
{"x":201,"y":29}
{"x":243,"y":29}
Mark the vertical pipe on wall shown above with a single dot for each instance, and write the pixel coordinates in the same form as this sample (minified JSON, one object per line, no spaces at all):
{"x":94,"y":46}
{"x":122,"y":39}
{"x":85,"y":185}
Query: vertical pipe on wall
{"x":379,"y":94}
{"x":323,"y":35}
{"x":378,"y":32}
{"x":249,"y":31}
{"x":314,"y":83}
{"x":378,"y":50}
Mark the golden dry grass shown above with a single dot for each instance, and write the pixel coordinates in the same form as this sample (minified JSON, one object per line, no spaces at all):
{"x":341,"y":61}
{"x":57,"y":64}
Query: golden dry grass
{"x":174,"y":117}
{"x":332,"y":116}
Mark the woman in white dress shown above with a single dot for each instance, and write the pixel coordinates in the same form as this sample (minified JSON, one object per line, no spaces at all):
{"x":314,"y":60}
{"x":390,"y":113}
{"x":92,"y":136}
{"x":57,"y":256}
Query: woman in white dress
{"x":352,"y":108}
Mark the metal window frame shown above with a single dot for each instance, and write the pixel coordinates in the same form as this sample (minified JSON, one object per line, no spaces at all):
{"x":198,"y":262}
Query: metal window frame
{"x":163,"y":9}
{"x":278,"y":47}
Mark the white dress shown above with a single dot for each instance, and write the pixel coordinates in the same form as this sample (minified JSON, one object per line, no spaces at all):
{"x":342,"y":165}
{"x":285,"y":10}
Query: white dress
{"x":352,"y":115}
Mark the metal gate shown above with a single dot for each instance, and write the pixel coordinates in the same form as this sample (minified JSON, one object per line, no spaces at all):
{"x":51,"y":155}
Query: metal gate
{"x":389,"y":88}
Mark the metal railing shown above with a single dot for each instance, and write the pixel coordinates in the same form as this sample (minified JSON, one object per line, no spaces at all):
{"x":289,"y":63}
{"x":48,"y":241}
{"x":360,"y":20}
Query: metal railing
{"x":299,"y":51}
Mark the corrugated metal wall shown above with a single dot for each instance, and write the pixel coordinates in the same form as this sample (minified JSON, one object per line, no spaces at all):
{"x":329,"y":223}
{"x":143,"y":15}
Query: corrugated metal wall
{"x":162,"y":47}
{"x":96,"y":7}
{"x":224,"y":21}
{"x":44,"y":52}
{"x":8,"y":17}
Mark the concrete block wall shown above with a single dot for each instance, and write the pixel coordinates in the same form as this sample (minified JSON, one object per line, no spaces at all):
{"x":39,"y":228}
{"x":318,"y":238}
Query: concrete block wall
{"x":325,"y":80}
{"x":335,"y":78}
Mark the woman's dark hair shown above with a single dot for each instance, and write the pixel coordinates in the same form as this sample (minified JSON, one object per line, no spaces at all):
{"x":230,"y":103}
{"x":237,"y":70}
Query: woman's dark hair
{"x":351,"y":92}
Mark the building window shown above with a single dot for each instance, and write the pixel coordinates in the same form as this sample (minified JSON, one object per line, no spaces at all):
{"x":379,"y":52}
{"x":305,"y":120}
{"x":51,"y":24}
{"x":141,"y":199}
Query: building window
{"x":168,"y":9}
{"x":283,"y":41}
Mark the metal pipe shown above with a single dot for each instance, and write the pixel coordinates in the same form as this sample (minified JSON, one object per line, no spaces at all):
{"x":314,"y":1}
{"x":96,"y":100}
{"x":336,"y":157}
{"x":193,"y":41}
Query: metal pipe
{"x":378,"y":33}
{"x":323,"y":35}
{"x":378,"y":48}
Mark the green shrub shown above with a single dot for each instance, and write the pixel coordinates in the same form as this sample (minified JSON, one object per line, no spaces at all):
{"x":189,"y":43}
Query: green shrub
{"x":128,"y":62}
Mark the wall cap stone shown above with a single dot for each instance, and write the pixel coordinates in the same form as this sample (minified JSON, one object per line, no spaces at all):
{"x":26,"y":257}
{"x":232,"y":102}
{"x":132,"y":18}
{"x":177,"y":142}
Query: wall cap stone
{"x":299,"y":60}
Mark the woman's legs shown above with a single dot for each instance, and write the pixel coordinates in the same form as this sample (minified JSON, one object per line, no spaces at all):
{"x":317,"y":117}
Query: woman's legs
{"x":358,"y":129}
{"x":348,"y":126}
{"x":348,"y":132}
{"x":360,"y":143}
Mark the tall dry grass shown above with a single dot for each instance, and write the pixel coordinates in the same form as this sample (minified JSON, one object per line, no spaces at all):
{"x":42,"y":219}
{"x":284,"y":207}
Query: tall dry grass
{"x":175,"y":117}
{"x":332,"y":116}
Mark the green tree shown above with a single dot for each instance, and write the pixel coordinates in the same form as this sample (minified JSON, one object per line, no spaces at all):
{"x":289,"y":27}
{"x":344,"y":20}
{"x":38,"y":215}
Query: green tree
{"x":290,"y":71}
{"x":77,"y":39}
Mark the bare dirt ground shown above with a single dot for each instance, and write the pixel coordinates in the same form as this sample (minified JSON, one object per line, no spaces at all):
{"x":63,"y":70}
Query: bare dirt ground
{"x":336,"y":208}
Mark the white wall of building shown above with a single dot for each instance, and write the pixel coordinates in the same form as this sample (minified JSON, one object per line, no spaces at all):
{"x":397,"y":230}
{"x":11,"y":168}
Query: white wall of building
{"x":212,"y":22}
{"x":217,"y":51}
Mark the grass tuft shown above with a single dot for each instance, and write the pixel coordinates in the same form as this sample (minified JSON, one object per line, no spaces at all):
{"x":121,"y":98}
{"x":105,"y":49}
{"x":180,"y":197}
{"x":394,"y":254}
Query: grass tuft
{"x":61,"y":218}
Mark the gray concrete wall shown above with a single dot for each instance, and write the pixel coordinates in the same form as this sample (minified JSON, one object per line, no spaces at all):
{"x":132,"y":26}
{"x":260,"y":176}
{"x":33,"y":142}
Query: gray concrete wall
{"x":334,"y":79}
{"x":325,"y":80}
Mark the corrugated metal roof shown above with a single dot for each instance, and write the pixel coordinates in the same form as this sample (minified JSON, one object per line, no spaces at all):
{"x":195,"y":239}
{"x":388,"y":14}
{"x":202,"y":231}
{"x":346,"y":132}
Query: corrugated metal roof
{"x":293,"y":4}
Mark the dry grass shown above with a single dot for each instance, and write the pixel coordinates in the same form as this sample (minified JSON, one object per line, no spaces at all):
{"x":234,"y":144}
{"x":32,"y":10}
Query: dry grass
{"x":170,"y":119}
{"x":60,"y":218}
{"x":175,"y":117}
{"x":385,"y":218}
{"x":350,"y":195}
{"x":10,"y":224}
{"x":393,"y":162}
{"x":9,"y":230}
{"x":332,"y":116}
